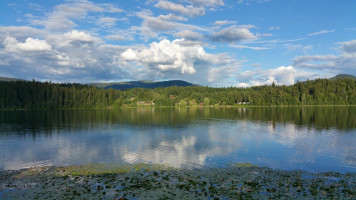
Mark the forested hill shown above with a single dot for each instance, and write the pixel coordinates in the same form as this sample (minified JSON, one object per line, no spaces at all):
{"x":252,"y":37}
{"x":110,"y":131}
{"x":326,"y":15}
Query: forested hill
{"x":10,"y":79}
{"x":39,"y":95}
{"x":142,"y":84}
{"x":343,"y":76}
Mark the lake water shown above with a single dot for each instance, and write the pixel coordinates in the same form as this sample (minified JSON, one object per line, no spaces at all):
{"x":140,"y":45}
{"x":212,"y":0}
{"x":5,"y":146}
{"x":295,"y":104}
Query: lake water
{"x":307,"y":138}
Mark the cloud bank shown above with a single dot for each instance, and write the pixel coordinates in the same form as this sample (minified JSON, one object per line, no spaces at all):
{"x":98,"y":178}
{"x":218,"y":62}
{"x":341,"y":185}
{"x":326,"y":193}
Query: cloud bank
{"x":193,"y":40}
{"x":343,"y":63}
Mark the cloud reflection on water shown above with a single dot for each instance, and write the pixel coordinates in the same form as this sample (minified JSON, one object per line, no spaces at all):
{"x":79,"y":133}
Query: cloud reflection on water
{"x":186,"y":140}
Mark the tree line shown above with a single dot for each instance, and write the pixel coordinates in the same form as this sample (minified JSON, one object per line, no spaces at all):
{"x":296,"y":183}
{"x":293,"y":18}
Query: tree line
{"x":47,"y":95}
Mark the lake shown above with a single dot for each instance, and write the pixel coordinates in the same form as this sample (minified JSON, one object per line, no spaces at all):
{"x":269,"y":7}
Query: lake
{"x":317,"y":139}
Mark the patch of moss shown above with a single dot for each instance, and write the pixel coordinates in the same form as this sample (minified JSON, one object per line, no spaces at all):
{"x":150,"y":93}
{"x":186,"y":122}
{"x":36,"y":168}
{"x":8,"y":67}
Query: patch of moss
{"x":247,"y":164}
{"x":102,"y":169}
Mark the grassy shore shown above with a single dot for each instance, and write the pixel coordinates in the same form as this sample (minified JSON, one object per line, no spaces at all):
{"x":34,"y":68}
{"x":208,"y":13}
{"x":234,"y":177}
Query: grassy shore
{"x":143,"y":181}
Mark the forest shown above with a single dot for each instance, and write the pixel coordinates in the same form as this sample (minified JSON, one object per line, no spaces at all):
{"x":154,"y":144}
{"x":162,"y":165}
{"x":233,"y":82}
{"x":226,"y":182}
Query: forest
{"x":47,"y":95}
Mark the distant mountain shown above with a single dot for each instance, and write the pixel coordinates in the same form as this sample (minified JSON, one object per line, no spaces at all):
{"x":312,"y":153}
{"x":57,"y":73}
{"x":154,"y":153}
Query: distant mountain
{"x":142,"y":84}
{"x":10,"y":79}
{"x":343,"y":76}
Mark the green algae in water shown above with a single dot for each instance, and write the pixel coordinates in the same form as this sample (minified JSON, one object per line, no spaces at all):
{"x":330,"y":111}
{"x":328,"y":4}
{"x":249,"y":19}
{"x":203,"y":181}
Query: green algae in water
{"x":139,"y":182}
{"x":114,"y":168}
{"x":247,"y":164}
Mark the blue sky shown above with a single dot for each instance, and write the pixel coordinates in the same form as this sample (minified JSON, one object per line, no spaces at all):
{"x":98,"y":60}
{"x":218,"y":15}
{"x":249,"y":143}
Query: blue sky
{"x":209,"y":42}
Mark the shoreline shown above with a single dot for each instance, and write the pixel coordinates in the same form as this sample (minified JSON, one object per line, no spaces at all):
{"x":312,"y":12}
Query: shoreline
{"x":149,"y":181}
{"x":211,"y":106}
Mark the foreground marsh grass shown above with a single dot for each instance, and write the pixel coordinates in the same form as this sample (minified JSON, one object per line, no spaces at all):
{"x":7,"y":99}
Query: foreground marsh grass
{"x":145,"y":181}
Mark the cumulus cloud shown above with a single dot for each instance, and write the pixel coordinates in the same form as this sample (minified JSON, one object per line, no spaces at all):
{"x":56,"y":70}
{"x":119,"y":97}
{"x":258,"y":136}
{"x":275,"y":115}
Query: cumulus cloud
{"x":224,"y":22}
{"x":175,"y":58}
{"x":280,"y":76}
{"x":233,"y":34}
{"x":80,"y":36}
{"x":20,"y":32}
{"x":31,"y":44}
{"x":166,"y":55}
{"x":57,"y":50}
{"x":152,"y":26}
{"x":349,"y":47}
{"x":60,"y":57}
{"x":343,"y":63}
{"x":184,"y":10}
{"x":73,"y":38}
{"x":188,"y":34}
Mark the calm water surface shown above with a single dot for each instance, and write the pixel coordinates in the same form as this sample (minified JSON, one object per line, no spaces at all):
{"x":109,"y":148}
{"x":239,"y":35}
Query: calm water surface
{"x":307,"y":138}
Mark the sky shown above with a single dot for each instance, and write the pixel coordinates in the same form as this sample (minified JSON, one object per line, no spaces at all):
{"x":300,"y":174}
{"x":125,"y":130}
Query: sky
{"x":218,"y":43}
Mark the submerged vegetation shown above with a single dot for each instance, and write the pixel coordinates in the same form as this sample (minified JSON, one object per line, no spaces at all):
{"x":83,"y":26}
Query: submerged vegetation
{"x":46,"y":95}
{"x":242,"y":181}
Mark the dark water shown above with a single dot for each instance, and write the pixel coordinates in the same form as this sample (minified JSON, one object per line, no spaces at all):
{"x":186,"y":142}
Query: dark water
{"x":308,"y":138}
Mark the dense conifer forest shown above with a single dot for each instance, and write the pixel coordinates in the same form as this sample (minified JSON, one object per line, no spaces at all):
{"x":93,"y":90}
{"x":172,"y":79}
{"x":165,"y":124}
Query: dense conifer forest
{"x":46,"y":95}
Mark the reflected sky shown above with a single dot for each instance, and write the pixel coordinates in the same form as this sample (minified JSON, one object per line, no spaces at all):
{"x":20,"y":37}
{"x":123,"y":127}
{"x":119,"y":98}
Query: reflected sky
{"x":183,"y":138}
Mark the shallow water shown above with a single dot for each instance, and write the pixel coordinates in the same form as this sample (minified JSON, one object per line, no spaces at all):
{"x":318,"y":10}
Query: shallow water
{"x":307,"y":138}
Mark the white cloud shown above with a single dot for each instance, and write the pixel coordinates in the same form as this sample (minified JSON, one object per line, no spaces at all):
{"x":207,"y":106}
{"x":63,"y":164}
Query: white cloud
{"x":106,"y":21}
{"x":248,"y":47}
{"x":111,"y":8}
{"x":349,"y":47}
{"x":343,"y":63}
{"x":188,"y":34}
{"x":175,"y":59}
{"x":212,"y":3}
{"x":248,"y":2}
{"x":321,"y":32}
{"x":120,"y":36}
{"x":264,"y":35}
{"x":224,"y":22}
{"x":63,"y":16}
{"x":242,"y":85}
{"x":233,"y":34}
{"x":116,"y":37}
{"x":60,"y":57}
{"x":184,"y":10}
{"x":220,"y":74}
{"x":351,"y":29}
{"x":171,"y":17}
{"x":296,"y":47}
{"x":316,"y":61}
{"x":272,"y":28}
{"x":20,"y":32}
{"x":73,"y":38}
{"x":80,"y":36}
{"x":166,"y":55}
{"x":152,"y":26}
{"x":11,"y":44}
{"x":280,"y":76}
